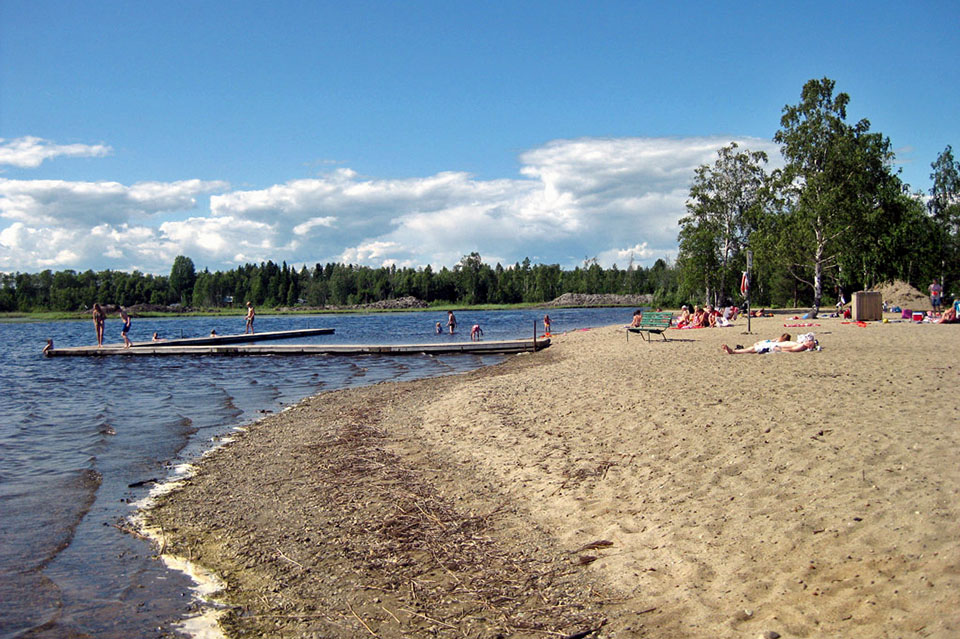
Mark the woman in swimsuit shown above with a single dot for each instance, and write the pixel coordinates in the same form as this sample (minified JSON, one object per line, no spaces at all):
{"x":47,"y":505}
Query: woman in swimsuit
{"x":451,"y":322}
{"x":99,"y":319}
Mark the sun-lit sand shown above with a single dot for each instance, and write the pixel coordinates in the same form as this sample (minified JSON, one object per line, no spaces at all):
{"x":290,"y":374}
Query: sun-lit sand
{"x":807,"y":494}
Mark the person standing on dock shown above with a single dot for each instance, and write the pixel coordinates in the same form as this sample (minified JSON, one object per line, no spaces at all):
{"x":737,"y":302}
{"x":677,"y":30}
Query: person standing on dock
{"x":250,"y":316}
{"x":126,"y":328}
{"x":451,"y":322}
{"x":99,"y":319}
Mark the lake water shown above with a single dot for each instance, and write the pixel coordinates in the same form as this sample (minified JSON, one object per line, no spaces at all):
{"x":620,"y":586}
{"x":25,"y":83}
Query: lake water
{"x":81,"y":438}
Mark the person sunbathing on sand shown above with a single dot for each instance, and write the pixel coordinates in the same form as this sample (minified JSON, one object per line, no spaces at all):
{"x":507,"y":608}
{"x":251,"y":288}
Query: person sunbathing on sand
{"x":782,"y":344}
{"x":949,"y":316}
{"x":684,"y":318}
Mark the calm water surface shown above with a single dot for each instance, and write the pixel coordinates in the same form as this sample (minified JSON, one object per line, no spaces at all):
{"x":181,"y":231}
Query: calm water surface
{"x":81,"y":438}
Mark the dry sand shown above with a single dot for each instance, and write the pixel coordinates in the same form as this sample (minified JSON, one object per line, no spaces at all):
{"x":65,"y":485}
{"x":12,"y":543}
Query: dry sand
{"x":806,"y":494}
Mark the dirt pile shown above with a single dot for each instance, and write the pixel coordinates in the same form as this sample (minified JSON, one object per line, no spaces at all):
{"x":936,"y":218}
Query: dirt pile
{"x":580,"y":299}
{"x":902,"y":294}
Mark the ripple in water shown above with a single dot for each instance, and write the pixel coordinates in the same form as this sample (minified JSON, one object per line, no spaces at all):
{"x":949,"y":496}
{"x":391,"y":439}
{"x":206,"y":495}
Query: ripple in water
{"x":80,"y":436}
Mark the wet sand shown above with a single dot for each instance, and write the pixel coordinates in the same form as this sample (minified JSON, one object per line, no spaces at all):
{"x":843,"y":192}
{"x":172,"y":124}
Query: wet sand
{"x":626,"y":488}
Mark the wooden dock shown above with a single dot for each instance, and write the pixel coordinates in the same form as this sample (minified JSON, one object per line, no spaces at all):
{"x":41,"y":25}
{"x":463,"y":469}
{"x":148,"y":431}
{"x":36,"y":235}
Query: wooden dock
{"x":165,"y":348}
{"x":237,"y":338}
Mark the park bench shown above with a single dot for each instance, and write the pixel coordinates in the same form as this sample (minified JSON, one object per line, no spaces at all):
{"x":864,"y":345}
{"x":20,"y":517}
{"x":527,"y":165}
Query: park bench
{"x":652,"y":322}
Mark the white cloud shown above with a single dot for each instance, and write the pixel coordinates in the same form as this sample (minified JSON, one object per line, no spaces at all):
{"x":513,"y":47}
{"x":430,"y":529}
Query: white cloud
{"x":221,"y":239}
{"x":383,"y":252}
{"x":29,"y":152}
{"x":59,"y":224}
{"x":83,"y":204}
{"x":623,"y":258}
{"x":573,"y":199}
{"x":313,"y":222}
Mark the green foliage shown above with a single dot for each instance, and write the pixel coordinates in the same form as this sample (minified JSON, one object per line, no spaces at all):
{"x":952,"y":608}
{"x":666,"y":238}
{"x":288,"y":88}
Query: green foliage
{"x":182,"y":277}
{"x":835,"y":219}
{"x":944,"y":207}
{"x":725,"y":205}
{"x":843,"y":210}
{"x":471,"y":282}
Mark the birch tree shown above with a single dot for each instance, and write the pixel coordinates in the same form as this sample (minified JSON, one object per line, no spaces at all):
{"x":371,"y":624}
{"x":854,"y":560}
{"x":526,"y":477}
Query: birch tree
{"x":725,"y":200}
{"x":832,"y":179}
{"x":944,"y":206}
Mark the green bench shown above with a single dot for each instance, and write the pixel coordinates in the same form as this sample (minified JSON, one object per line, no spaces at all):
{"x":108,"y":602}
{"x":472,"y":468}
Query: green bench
{"x":652,"y":322}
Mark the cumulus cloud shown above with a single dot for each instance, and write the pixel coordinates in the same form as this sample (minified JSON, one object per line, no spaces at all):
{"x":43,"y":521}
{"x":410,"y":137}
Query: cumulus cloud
{"x":613,"y":199}
{"x":62,"y":224}
{"x":84,"y":204}
{"x":29,"y":152}
{"x":225,"y":238}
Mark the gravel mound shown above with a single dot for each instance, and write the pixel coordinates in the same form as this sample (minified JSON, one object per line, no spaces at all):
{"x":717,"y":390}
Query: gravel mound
{"x":902,"y":294}
{"x":581,"y":299}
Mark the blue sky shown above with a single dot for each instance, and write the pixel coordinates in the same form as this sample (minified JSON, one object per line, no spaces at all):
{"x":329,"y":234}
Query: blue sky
{"x":414,"y":133}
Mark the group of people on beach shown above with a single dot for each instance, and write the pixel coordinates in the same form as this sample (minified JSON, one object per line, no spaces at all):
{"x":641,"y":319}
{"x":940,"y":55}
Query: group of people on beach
{"x":709,"y":316}
{"x":706,"y":317}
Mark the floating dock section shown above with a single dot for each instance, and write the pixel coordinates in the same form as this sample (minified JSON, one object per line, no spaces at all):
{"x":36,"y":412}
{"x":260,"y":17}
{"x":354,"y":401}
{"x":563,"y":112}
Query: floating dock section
{"x":169,"y":348}
{"x":238,"y":338}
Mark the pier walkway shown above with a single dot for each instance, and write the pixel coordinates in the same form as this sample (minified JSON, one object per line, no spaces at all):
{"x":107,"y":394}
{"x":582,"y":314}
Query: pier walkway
{"x":192,"y":348}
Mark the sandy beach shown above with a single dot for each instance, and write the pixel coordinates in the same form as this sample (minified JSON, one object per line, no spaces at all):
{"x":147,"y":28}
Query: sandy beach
{"x":604,"y":487}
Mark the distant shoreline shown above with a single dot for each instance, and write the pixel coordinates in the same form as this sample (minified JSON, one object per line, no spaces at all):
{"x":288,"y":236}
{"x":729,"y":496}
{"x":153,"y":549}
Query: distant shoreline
{"x":387,"y":306}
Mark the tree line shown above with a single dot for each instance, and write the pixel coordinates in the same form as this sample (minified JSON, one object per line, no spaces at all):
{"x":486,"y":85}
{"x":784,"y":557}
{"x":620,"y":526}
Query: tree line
{"x":834,"y":220}
{"x":268,"y":284}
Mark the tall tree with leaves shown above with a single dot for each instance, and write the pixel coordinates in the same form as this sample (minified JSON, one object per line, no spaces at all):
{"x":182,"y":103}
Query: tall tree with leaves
{"x":830,"y":182}
{"x":725,"y":201}
{"x":944,"y":206}
{"x":182,"y":278}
